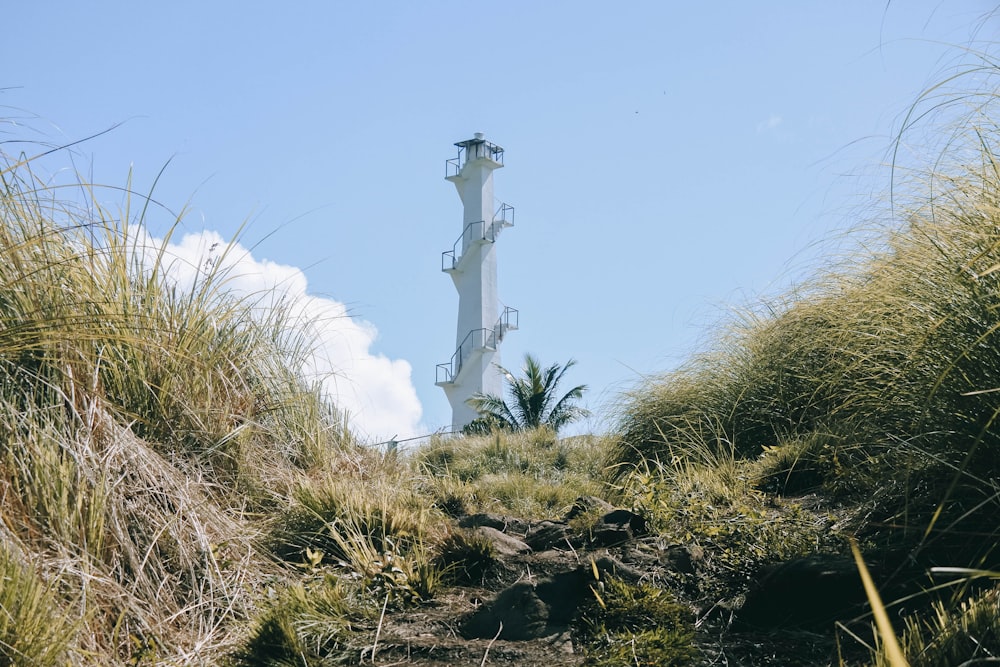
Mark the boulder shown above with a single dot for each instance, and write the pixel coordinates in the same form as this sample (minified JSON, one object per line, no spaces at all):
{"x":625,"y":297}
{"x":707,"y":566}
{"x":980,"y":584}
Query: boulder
{"x":503,"y":544}
{"x":682,"y":559}
{"x":587,"y":505}
{"x":618,"y":526}
{"x":546,"y":535}
{"x":505,"y":524}
{"x":530,"y":610}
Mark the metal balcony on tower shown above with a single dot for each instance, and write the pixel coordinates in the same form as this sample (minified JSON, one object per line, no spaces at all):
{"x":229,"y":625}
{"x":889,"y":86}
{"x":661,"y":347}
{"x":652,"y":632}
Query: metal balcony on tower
{"x":477,"y":148}
{"x":476,"y":342}
{"x":477,"y":233}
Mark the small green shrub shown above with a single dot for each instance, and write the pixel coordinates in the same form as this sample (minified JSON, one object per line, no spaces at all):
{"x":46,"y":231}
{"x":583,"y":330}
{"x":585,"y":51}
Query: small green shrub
{"x":799,"y":466}
{"x":635,"y":624}
{"x":656,"y":647}
{"x":403,"y":576}
{"x":318,"y":622}
{"x":466,"y":559}
{"x":438,"y":455}
{"x":378,"y":530}
{"x":452,"y":497}
{"x":322,"y":513}
{"x":529,"y":473}
{"x":33,"y":628}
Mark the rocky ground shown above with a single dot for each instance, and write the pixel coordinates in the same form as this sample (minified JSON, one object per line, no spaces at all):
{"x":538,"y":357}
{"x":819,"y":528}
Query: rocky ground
{"x":523,"y":609}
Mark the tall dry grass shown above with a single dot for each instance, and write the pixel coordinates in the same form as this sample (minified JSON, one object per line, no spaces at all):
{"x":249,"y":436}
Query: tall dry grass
{"x":877,"y":383}
{"x":145,"y":428}
{"x":890,"y":365}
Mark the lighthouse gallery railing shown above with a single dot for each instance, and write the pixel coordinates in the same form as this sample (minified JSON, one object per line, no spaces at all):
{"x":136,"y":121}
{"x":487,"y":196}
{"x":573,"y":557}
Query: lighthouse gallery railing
{"x":477,"y":232}
{"x":477,"y":339}
{"x":487,"y":149}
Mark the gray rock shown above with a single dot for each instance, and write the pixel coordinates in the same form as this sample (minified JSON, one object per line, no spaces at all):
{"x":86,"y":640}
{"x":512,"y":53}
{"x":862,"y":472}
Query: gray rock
{"x":608,"y":565}
{"x":530,"y":610}
{"x":618,"y":526}
{"x":546,"y":535}
{"x":505,"y":524}
{"x":505,"y":545}
{"x":682,"y":559}
{"x":587,"y":504}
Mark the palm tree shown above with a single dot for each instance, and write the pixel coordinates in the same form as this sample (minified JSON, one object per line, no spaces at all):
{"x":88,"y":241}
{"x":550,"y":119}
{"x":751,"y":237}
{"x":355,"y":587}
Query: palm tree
{"x":533,"y":401}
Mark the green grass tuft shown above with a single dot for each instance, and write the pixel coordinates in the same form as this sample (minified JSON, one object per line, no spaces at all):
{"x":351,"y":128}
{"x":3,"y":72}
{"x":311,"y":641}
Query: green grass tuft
{"x":314,"y":623}
{"x":34,"y":629}
{"x":466,"y":559}
{"x":635,"y":624}
{"x":530,"y":473}
{"x":959,"y":631}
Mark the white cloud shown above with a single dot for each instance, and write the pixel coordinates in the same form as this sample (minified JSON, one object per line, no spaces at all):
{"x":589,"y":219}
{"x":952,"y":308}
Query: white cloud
{"x":772,"y":123}
{"x":377,"y":392}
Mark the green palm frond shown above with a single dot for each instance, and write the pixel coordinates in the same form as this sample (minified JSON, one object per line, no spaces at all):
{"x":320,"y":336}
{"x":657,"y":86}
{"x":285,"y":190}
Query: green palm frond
{"x":532,"y":400}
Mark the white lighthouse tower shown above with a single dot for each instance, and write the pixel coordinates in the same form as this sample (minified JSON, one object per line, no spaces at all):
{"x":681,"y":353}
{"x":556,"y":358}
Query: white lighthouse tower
{"x":472,"y":264}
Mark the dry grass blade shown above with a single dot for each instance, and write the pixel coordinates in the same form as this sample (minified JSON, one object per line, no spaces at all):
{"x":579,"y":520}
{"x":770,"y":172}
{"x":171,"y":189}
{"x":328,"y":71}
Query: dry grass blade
{"x":378,"y":630}
{"x":886,"y":632}
{"x":486,"y":653}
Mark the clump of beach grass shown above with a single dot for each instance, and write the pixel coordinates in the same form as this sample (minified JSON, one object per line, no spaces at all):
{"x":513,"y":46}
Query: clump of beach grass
{"x":319,"y":621}
{"x":147,"y":426}
{"x":875,"y":383}
{"x":624,"y":624}
{"x":881,"y":374}
{"x":33,"y":628}
{"x":378,"y":529}
{"x":956,"y":631}
{"x":531,"y":473}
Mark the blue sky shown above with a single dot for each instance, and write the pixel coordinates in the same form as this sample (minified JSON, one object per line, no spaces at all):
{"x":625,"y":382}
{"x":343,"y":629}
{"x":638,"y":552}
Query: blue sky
{"x":667,"y":161}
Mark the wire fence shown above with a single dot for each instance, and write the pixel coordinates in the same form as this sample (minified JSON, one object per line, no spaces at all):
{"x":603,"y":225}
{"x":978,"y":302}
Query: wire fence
{"x":393,"y":444}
